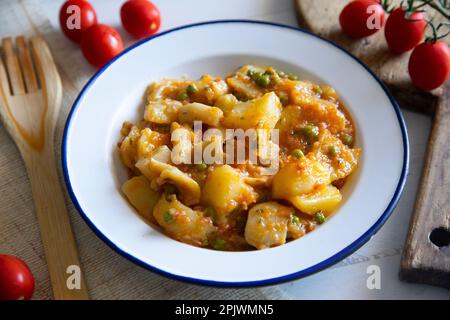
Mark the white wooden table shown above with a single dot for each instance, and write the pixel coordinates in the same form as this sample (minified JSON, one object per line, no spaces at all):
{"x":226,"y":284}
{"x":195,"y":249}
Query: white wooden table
{"x":110,"y":276}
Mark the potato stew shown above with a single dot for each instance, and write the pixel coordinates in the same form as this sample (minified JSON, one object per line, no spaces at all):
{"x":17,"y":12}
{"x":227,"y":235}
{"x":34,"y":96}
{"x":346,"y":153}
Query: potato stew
{"x":237,"y":205}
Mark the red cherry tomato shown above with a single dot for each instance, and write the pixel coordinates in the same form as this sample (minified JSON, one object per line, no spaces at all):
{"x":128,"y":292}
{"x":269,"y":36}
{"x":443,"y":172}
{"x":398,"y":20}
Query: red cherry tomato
{"x":140,"y":18}
{"x":362,"y":18}
{"x":16,"y":279}
{"x":429,"y":65}
{"x":101,"y":43}
{"x":403,"y":35}
{"x":76,"y":16}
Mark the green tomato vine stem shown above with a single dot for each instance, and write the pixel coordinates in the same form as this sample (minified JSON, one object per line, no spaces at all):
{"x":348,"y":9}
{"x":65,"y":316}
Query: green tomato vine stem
{"x":411,"y":6}
{"x":442,"y":9}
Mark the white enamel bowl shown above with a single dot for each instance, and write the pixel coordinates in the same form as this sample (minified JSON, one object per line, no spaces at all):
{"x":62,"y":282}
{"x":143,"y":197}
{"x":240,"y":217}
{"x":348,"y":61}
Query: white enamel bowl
{"x":93,"y":172}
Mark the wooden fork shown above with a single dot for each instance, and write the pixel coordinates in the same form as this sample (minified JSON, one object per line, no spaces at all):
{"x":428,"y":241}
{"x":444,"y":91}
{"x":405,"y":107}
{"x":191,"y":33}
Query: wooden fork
{"x":30,"y":100}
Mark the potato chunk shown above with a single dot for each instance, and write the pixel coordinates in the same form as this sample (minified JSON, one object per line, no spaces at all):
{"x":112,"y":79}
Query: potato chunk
{"x":181,"y":222}
{"x":141,"y":196}
{"x":340,"y":158}
{"x":225,"y":190}
{"x":188,"y":187}
{"x":149,"y":141}
{"x":312,"y":111}
{"x":200,"y":112}
{"x":326,"y":199}
{"x":267,"y":225}
{"x":163,"y":111}
{"x":153,"y":166}
{"x":226,"y":102}
{"x":297,"y":178}
{"x":262,"y":113}
{"x":243,"y":86}
{"x":165,"y":88}
{"x":140,"y":144}
{"x":209,"y":89}
{"x":161,"y":172}
{"x":317,"y":110}
{"x":128,"y":147}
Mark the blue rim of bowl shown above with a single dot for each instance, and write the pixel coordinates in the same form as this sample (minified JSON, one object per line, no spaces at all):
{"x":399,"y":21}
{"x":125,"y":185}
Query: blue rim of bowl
{"x":293,"y":276}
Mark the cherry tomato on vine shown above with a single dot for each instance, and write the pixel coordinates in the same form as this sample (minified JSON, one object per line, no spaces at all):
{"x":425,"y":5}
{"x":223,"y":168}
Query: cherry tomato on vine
{"x":140,"y":18}
{"x":429,"y":65}
{"x":75,"y":17}
{"x":404,"y":33}
{"x":362,"y":18}
{"x":101,"y":43}
{"x":16,"y":279}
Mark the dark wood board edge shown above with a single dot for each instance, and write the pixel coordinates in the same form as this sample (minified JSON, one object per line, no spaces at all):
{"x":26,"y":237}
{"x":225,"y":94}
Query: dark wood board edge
{"x":431,"y":277}
{"x":423,"y":261}
{"x":408,"y":99}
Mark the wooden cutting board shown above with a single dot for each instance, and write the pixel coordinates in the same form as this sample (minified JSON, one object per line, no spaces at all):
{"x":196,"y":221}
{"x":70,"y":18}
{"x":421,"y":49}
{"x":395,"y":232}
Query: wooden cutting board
{"x":426,"y":256}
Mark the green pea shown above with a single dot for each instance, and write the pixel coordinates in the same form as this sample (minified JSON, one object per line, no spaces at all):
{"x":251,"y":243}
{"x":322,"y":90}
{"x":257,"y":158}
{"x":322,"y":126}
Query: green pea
{"x":201,"y":166}
{"x":219,"y":244}
{"x":263,"y":80}
{"x":191,"y":89}
{"x":333,"y":150}
{"x":182,"y":95}
{"x":347,"y":139}
{"x":319,"y":217}
{"x":310,"y":132}
{"x":291,"y":76}
{"x":295,"y":220}
{"x":168,"y":217}
{"x":297,"y":153}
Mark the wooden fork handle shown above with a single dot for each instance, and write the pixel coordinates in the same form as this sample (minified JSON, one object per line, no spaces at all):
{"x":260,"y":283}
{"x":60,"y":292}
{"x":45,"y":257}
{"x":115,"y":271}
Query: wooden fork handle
{"x":425,"y":258}
{"x":59,"y":243}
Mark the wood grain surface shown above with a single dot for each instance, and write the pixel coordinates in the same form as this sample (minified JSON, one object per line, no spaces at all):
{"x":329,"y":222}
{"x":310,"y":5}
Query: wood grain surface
{"x":422,"y":260}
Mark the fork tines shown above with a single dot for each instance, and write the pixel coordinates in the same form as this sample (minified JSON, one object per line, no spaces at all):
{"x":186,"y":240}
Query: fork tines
{"x":20,"y":69}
